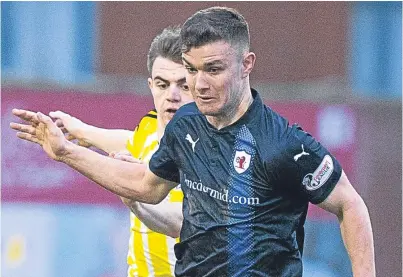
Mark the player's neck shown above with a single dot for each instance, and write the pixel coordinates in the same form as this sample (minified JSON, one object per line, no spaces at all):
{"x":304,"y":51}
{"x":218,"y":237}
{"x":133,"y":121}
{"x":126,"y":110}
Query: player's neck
{"x":233,"y":113}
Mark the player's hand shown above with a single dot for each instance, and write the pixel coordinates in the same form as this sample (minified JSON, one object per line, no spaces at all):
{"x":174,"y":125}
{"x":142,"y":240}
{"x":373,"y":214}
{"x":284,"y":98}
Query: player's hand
{"x":124,"y":156}
{"x":41,"y":130}
{"x":72,"y":127}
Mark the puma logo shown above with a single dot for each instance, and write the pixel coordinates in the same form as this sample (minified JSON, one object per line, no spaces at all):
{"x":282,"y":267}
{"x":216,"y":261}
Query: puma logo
{"x":296,"y":157}
{"x":192,"y":142}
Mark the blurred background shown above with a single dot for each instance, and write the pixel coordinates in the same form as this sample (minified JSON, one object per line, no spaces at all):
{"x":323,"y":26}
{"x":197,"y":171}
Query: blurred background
{"x":333,"y":67}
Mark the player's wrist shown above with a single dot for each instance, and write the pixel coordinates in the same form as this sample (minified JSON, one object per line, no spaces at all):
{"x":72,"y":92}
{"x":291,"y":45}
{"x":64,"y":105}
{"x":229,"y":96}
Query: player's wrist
{"x":66,"y":154}
{"x":84,"y":132}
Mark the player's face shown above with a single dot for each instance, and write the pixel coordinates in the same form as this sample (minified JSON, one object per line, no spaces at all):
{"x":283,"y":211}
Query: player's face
{"x":168,"y":87}
{"x":215,"y":77}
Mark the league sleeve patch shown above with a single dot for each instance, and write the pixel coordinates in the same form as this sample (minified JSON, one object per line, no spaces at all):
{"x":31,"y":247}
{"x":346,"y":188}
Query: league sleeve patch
{"x":318,"y":178}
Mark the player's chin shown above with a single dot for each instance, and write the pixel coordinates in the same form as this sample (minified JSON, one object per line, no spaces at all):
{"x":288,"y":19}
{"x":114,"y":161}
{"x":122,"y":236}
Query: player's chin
{"x":209,"y":110}
{"x":168,"y":115}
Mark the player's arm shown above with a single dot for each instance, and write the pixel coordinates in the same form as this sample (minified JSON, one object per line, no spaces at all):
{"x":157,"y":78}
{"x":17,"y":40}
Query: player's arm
{"x":130,"y":180}
{"x":165,"y":217}
{"x":355,"y":225}
{"x":317,"y":176}
{"x":108,"y":140}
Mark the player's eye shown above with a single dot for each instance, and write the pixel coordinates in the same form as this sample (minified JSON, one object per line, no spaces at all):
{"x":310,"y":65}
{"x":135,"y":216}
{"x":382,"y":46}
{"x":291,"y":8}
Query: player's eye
{"x":191,"y":70}
{"x":185,"y":87}
{"x":162,"y":86}
{"x":214,"y":70}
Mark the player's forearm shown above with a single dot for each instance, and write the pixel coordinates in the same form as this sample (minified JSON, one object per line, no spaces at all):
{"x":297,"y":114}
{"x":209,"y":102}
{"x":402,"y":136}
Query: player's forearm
{"x":357,"y":235}
{"x":165,"y":217}
{"x":122,"y":178}
{"x":107,"y":140}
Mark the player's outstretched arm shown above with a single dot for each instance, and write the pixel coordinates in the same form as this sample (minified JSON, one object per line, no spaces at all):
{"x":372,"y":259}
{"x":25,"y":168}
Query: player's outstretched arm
{"x":107,"y":140}
{"x":165,"y":217}
{"x":130,"y":180}
{"x":355,"y":226}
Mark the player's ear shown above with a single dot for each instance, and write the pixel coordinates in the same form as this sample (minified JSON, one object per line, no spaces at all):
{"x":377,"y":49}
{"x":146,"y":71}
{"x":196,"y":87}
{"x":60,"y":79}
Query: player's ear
{"x":248,"y":63}
{"x":150,"y":83}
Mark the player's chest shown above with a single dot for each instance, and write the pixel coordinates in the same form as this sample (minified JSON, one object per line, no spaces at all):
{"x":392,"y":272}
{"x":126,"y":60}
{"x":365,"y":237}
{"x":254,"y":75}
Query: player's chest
{"x":211,"y":151}
{"x":221,"y":160}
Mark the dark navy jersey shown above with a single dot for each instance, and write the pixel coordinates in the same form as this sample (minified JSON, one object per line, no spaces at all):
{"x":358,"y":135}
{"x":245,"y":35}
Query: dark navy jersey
{"x":246,"y":191}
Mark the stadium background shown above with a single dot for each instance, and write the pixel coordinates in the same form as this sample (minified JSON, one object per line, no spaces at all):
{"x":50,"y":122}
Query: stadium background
{"x":333,"y":67}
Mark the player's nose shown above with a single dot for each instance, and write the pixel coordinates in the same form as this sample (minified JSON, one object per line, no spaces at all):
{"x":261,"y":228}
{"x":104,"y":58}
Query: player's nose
{"x":174,"y":94}
{"x":201,"y":82}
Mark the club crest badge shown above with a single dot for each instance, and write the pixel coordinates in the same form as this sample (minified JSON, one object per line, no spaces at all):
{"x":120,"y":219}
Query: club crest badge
{"x":241,"y":161}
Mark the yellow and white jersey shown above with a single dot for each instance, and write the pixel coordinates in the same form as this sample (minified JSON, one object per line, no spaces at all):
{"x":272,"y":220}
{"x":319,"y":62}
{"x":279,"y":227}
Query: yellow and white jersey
{"x":150,"y":253}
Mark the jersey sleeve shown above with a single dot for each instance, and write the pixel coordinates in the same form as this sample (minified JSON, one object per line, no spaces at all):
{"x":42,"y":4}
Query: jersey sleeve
{"x":162,"y":163}
{"x":307,"y":168}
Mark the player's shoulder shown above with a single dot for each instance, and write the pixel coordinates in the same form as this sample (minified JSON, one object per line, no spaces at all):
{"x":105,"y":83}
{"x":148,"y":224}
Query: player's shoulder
{"x":274,"y":123}
{"x":187,"y":111}
{"x":288,"y":134}
{"x":148,"y":121}
{"x":150,"y":116}
{"x":277,"y":129}
{"x":144,"y":134}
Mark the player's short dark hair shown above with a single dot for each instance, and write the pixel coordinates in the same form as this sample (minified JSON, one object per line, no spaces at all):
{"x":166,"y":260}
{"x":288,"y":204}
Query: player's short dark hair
{"x":166,"y":45}
{"x":215,"y":24}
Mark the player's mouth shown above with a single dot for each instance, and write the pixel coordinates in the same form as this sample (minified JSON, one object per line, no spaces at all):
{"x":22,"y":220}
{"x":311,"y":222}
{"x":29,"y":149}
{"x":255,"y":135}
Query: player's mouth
{"x":205,"y":99}
{"x":171,"y":111}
